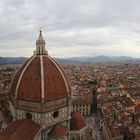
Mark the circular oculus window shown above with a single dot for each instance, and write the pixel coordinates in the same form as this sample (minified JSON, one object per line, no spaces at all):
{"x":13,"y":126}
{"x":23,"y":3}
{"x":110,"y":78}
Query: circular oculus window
{"x":55,"y":114}
{"x":29,"y":116}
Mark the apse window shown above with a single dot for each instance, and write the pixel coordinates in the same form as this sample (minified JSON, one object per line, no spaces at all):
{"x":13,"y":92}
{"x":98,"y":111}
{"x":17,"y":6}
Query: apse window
{"x":29,"y":116}
{"x":55,"y":114}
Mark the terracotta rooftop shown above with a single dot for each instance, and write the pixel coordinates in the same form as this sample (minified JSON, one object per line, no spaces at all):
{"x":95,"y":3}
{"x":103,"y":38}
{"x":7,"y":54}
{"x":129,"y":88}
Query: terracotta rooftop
{"x":77,"y":122}
{"x":58,"y":131}
{"x":114,"y":130}
{"x":137,"y":108}
{"x":83,"y":99}
{"x":20,"y":130}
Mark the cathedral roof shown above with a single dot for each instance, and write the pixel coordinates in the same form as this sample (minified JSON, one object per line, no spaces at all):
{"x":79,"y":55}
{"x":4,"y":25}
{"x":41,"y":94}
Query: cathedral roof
{"x":58,"y":131}
{"x":77,"y":122}
{"x":20,"y":130}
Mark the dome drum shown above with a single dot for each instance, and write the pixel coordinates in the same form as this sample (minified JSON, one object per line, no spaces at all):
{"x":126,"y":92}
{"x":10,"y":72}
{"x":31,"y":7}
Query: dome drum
{"x":38,"y":107}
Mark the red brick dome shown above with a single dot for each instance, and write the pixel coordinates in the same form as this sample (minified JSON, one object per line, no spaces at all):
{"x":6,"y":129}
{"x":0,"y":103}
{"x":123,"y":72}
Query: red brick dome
{"x":40,"y":78}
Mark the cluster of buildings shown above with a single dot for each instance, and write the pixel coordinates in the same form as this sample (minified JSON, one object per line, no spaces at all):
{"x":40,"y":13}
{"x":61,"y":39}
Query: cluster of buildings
{"x":80,"y":76}
{"x":7,"y":73}
{"x":118,"y":101}
{"x":118,"y":97}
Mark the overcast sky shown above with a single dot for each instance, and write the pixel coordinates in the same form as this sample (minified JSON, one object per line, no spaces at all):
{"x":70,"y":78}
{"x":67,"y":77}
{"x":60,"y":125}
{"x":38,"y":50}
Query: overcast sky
{"x":71,"y":27}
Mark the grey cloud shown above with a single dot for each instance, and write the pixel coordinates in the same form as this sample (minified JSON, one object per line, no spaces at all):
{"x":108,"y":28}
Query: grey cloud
{"x":20,"y":20}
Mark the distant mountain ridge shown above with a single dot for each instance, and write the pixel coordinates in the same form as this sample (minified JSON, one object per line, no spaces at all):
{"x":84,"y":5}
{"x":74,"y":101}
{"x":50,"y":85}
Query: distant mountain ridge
{"x":102,"y":58}
{"x":12,"y":60}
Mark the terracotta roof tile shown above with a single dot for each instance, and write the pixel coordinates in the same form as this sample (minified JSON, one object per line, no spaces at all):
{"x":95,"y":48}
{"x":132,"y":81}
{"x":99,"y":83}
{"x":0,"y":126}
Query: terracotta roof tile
{"x":77,"y":121}
{"x":16,"y":78}
{"x":20,"y":130}
{"x":30,"y":85}
{"x":55,"y":87}
{"x":58,"y":131}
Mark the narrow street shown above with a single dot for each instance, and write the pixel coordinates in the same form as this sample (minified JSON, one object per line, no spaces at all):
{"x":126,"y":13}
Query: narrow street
{"x":94,"y":124}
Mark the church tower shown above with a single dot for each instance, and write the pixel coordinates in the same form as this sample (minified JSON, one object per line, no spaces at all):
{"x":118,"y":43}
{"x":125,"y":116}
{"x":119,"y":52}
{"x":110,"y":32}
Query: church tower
{"x":41,"y":92}
{"x":94,"y":97}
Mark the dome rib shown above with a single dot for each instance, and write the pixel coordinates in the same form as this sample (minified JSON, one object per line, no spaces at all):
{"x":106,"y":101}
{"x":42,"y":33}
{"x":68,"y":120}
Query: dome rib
{"x":22,"y":73}
{"x":42,"y":79}
{"x":58,"y":67}
{"x":30,"y":84}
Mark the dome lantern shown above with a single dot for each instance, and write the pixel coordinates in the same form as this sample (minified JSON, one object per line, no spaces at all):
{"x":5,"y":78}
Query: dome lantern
{"x":40,"y":45}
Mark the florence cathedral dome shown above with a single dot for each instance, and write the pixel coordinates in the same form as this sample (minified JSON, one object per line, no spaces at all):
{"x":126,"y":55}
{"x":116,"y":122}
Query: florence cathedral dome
{"x":39,"y":80}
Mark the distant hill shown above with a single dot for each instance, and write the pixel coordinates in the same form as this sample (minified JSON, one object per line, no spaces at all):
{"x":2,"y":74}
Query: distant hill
{"x":103,"y":59}
{"x":12,"y":60}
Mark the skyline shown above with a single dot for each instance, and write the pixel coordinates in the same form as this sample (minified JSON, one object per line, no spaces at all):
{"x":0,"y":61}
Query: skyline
{"x":71,"y":28}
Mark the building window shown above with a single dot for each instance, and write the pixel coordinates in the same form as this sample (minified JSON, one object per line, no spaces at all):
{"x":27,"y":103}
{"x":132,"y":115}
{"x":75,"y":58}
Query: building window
{"x":29,"y":116}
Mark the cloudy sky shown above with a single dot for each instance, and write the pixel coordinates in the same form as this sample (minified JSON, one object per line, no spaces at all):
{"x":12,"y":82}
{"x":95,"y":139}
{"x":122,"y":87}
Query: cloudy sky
{"x":71,"y":27}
